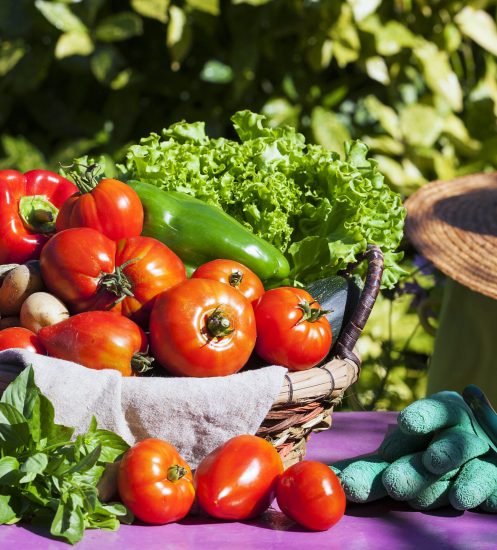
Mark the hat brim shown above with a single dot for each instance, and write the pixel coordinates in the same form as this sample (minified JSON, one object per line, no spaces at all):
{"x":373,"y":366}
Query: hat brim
{"x":454,"y":224}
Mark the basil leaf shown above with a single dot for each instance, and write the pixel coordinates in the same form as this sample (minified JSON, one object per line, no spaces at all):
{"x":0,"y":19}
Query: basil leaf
{"x":68,"y":522}
{"x":7,"y":514}
{"x":87,"y":462}
{"x":113,"y":445}
{"x":33,"y":466}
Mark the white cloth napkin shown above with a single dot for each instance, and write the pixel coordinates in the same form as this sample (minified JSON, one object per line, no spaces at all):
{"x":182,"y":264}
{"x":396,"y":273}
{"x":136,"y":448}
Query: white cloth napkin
{"x":194,"y":414}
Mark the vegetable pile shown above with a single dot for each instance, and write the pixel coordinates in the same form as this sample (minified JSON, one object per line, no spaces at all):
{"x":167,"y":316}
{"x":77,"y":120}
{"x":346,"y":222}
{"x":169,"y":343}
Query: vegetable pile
{"x":140,"y":275}
{"x":318,"y":209}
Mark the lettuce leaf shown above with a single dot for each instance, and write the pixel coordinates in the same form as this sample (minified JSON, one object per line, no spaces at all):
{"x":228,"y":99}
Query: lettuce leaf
{"x":320,"y":210}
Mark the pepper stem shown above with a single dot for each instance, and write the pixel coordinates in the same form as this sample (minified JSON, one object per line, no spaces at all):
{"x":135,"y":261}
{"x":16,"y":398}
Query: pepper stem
{"x":309,"y":313}
{"x":118,"y":283}
{"x":218,"y":324}
{"x":38,"y":213}
{"x":176,"y":472}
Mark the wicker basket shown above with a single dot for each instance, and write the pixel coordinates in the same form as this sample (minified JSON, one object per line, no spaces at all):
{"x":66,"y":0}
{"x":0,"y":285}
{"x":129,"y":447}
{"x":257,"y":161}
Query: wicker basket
{"x":307,"y":398}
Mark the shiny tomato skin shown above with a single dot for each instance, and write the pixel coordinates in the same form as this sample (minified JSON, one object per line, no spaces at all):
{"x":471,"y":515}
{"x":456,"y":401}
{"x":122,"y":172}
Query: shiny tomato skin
{"x":157,"y":269}
{"x":144,"y":486}
{"x":238,"y":480}
{"x":19,"y":337}
{"x":72,"y":264}
{"x":179,"y":337}
{"x":311,"y":494}
{"x":95,"y":339}
{"x":234,"y":274}
{"x":112,"y":208}
{"x":283,"y":336}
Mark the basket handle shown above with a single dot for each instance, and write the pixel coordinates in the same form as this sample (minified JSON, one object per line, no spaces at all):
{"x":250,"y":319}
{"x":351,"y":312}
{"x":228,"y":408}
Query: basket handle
{"x":350,"y":334}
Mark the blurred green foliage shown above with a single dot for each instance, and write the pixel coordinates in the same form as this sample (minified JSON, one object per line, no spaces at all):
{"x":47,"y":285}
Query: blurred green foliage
{"x":415,"y":79}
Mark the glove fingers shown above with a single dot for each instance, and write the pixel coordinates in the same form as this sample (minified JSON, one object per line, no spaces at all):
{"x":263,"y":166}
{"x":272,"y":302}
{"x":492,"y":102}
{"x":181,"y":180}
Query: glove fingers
{"x":407,"y":477}
{"x":490,"y":504}
{"x":475,"y":483}
{"x":434,"y":496}
{"x":340,"y":465}
{"x":441,"y":410}
{"x":397,"y":444}
{"x":451,"y":449}
{"x":361,"y":480}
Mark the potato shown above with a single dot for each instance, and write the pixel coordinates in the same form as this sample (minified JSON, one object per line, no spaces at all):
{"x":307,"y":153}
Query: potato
{"x":18,"y":282}
{"x":42,"y":310}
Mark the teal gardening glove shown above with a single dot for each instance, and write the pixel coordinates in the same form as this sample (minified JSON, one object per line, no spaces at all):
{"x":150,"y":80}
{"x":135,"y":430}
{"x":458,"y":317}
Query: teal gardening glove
{"x":443,"y":452}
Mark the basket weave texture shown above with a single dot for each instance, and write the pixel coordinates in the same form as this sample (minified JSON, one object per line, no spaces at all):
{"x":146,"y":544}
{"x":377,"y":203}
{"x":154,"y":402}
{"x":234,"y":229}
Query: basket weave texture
{"x":307,"y":398}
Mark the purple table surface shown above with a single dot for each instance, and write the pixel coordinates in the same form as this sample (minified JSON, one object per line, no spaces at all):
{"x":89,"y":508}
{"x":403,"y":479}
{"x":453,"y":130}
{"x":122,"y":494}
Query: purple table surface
{"x":385,"y":525}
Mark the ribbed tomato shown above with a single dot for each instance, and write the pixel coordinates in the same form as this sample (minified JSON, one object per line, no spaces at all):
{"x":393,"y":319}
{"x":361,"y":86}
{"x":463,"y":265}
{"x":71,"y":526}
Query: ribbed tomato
{"x":202,"y":328}
{"x":155,"y":483}
{"x":89,"y":271}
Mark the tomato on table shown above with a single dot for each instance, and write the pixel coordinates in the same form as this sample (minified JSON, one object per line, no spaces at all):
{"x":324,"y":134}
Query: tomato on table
{"x":311,"y":494}
{"x":202,"y":328}
{"x":19,"y":337}
{"x":234,"y":274}
{"x":155,"y":483}
{"x":292,"y":330}
{"x":237,"y":480}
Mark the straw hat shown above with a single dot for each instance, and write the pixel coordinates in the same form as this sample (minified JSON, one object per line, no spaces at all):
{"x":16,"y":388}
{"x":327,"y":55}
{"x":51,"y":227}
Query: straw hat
{"x":454,"y":224}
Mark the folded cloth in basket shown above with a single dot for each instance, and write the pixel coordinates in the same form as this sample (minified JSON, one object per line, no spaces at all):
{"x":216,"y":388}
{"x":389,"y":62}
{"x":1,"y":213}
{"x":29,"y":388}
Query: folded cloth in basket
{"x":194,"y":414}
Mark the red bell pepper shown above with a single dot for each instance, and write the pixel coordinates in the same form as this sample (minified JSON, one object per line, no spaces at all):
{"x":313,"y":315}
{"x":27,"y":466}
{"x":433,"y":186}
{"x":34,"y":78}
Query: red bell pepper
{"x":29,"y":204}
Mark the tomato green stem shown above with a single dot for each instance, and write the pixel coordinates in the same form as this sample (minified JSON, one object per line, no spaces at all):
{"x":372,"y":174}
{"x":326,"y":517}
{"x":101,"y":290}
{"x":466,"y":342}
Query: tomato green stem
{"x":236,"y":278}
{"x":218,"y":324}
{"x":118,"y":283}
{"x":176,"y":472}
{"x":87,"y":181}
{"x":141,"y":362}
{"x":311,"y":314}
{"x":38,"y":213}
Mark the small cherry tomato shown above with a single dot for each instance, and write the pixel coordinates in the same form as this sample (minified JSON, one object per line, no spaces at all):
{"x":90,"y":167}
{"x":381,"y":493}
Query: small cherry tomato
{"x":234,"y":274}
{"x":202,"y":328}
{"x":310,"y":494}
{"x":155,"y":483}
{"x":237,"y":480}
{"x":18,"y":337}
{"x":291,"y":329}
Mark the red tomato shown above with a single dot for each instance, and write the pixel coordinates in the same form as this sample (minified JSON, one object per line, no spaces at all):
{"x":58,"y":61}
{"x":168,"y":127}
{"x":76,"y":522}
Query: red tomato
{"x":155,"y":483}
{"x":109,"y":206}
{"x":234,"y":274}
{"x":18,"y":337}
{"x":202,"y":328}
{"x":310,"y":494}
{"x":98,"y":340}
{"x":291,"y":329}
{"x":237,"y":480}
{"x":87,"y":270}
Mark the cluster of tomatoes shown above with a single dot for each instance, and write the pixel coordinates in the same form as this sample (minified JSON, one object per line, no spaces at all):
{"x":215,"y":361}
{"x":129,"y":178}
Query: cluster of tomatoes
{"x":131,"y":301}
{"x":237,"y":481}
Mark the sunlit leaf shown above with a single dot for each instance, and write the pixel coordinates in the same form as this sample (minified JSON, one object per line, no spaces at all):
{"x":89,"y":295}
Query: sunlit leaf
{"x":328,"y":130}
{"x":74,"y":43}
{"x":118,"y":27}
{"x":384,"y":114}
{"x":362,"y":8}
{"x":377,"y":69}
{"x":209,"y":6}
{"x":479,"y":26}
{"x":60,"y":16}
{"x":179,"y":37}
{"x":420,"y":124}
{"x":439,"y":74}
{"x":10,"y":54}
{"x":155,"y":9}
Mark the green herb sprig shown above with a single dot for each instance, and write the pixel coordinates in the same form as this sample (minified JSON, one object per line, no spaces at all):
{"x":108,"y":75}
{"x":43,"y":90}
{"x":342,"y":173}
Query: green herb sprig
{"x":47,"y":476}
